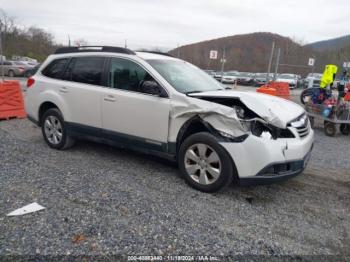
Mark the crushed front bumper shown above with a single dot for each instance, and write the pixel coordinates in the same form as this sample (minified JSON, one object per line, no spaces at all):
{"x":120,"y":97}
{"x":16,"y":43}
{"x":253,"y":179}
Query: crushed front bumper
{"x":262,"y":161}
{"x":277,"y":172}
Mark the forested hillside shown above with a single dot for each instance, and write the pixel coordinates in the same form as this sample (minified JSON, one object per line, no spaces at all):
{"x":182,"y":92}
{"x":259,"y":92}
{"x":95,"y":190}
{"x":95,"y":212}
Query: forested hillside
{"x":33,"y":42}
{"x":331,"y":44}
{"x":251,"y":52}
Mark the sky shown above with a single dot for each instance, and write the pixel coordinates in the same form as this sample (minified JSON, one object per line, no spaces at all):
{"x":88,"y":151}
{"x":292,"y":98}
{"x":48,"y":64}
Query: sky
{"x":166,"y":24}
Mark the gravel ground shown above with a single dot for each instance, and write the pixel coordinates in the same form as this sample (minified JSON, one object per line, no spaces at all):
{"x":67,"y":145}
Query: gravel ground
{"x":103,"y":200}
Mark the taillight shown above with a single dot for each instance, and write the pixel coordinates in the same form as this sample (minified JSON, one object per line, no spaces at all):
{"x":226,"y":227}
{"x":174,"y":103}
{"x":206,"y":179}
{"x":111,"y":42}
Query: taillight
{"x":30,"y":82}
{"x":21,"y":68}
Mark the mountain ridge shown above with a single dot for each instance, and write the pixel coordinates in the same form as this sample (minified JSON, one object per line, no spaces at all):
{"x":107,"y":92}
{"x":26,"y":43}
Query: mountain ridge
{"x":330,"y":44}
{"x":251,"y":52}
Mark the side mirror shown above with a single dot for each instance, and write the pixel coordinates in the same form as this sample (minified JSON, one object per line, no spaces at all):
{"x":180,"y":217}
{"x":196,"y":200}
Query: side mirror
{"x":151,"y":87}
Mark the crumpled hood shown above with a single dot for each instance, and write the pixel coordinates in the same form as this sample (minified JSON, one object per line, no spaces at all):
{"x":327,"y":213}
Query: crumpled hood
{"x":274,"y":110}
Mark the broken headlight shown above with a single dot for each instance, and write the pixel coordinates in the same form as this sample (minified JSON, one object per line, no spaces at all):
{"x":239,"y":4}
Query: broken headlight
{"x":259,"y":127}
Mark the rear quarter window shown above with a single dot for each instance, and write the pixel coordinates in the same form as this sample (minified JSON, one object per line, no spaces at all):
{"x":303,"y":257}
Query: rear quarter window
{"x":56,"y":68}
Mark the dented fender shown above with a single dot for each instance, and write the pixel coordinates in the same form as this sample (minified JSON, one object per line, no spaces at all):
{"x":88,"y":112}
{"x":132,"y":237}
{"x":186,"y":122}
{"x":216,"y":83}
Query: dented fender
{"x":220,"y":117}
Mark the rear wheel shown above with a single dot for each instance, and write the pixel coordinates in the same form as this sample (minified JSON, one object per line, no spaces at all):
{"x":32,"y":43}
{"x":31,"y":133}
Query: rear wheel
{"x":345,"y":129}
{"x":54,"y":130}
{"x":205,"y":164}
{"x":330,"y":128}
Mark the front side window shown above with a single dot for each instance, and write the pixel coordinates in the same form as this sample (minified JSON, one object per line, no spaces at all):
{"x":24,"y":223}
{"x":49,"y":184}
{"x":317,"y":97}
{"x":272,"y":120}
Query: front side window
{"x":127,"y":75}
{"x":55,"y":68}
{"x":87,"y":70}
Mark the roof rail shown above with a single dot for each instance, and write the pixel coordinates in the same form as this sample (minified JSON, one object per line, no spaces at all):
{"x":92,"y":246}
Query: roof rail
{"x":156,"y":52}
{"x":79,"y":49}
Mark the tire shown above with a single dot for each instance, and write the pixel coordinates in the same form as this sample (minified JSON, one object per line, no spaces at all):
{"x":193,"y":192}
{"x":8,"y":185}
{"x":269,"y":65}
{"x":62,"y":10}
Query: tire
{"x":11,"y":73}
{"x":345,"y":129}
{"x":203,"y":162}
{"x":56,"y":135}
{"x":312,"y":122}
{"x":305,"y":93}
{"x":330,"y":128}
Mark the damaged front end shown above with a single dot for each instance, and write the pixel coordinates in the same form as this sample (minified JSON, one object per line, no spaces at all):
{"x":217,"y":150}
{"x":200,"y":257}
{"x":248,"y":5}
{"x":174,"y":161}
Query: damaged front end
{"x":231,"y":117}
{"x":251,"y":122}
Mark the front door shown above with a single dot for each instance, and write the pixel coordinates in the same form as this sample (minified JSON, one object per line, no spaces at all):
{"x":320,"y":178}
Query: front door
{"x":128,"y":112}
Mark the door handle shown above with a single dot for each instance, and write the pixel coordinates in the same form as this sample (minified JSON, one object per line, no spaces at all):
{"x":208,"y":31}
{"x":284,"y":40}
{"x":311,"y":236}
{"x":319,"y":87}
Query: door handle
{"x":64,"y":89}
{"x":110,"y":98}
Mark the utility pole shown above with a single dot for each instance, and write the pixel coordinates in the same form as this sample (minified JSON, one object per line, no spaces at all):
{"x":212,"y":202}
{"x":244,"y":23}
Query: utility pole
{"x":223,"y":61}
{"x":313,"y":66}
{"x":126,"y":46}
{"x":270,"y":63}
{"x":277,"y":63}
{"x":68,"y":40}
{"x":1,"y":56}
{"x":178,"y":51}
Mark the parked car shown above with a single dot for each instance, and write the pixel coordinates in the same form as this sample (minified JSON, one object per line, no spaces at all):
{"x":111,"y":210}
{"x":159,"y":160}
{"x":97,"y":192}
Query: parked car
{"x":218,"y":76}
{"x":31,"y":70}
{"x":259,"y":79}
{"x":315,"y":78}
{"x":230,"y":77}
{"x":245,"y":78}
{"x":291,"y":79}
{"x":167,"y":107}
{"x":210,"y":72}
{"x":14,"y":68}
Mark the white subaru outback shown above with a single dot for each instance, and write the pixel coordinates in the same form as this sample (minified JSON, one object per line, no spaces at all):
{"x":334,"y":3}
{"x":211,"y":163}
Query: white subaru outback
{"x":164,"y":106}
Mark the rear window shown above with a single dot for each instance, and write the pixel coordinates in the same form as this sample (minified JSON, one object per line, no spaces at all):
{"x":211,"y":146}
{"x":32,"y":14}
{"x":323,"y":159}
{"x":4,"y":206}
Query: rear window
{"x":56,"y":68}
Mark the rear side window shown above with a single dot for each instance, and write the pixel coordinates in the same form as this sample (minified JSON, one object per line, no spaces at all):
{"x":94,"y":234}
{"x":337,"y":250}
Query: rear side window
{"x":55,"y":68}
{"x":87,"y":70}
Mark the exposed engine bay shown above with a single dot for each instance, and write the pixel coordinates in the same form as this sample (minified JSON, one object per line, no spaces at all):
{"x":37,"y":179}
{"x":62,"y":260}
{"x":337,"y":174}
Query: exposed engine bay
{"x":249,"y":120}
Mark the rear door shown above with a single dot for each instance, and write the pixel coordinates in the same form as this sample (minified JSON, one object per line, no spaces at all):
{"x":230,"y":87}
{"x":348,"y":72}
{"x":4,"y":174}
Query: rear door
{"x":129,"y":113}
{"x":82,"y":91}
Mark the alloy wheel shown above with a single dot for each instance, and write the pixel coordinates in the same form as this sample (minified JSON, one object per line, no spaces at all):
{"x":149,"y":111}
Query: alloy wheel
{"x":53,"y":130}
{"x":202,"y":164}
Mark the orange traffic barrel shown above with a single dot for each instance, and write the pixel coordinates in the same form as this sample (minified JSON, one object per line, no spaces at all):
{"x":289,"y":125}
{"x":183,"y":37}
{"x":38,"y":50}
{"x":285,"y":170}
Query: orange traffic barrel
{"x":11,"y":100}
{"x":267,"y":90}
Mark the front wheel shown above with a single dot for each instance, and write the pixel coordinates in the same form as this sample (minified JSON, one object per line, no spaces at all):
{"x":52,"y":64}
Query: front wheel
{"x":330,"y":128}
{"x":54,"y":130}
{"x":205,"y":164}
